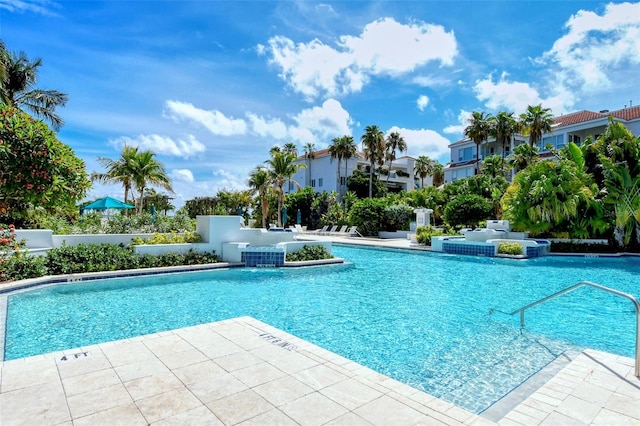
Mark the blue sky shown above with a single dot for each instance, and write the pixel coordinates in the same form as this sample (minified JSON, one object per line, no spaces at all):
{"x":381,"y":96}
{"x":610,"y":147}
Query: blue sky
{"x":210,"y":86}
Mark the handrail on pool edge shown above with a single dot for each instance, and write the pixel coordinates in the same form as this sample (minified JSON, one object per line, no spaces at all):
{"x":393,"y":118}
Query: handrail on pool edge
{"x":633,"y":300}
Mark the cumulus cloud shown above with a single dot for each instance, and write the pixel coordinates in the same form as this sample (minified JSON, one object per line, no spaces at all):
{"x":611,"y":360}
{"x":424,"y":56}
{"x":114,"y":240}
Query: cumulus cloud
{"x":594,"y":45}
{"x":214,"y":121}
{"x":595,"y":51}
{"x":225,"y":179}
{"x":422,"y":102}
{"x":385,"y":47}
{"x":182,"y":175}
{"x":267,"y":127}
{"x":458,"y":129}
{"x":423,"y":142}
{"x":162,"y":144}
{"x":321,"y":123}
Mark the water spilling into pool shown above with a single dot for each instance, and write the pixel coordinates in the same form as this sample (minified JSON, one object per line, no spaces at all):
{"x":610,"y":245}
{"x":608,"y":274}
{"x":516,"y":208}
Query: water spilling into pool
{"x":421,"y":318}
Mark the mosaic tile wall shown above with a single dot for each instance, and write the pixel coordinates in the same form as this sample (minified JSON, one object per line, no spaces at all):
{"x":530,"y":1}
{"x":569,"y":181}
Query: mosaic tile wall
{"x":263,"y":258}
{"x":472,"y":249}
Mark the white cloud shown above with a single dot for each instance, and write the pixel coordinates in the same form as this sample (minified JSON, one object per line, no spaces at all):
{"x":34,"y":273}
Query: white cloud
{"x":321,"y":123}
{"x":214,"y":121}
{"x":385,"y":47}
{"x":228,"y":180}
{"x":182,"y":175}
{"x":423,"y":142}
{"x":43,"y":7}
{"x":458,"y":129}
{"x":595,"y":45}
{"x":516,"y":96}
{"x":422,"y":102}
{"x":273,"y":128}
{"x":162,"y":145}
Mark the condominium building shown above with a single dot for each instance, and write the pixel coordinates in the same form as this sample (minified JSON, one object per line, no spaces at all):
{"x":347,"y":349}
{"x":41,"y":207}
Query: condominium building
{"x":573,"y":127}
{"x":322,"y":174}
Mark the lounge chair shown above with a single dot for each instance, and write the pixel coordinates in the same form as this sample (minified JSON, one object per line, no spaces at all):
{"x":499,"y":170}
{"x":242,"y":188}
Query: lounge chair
{"x":319,"y":231}
{"x":331,"y":231}
{"x":353,"y":231}
{"x":341,"y":231}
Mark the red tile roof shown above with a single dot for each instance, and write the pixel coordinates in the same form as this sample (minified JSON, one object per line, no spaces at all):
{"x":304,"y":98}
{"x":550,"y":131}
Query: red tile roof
{"x":577,"y":117}
{"x":630,"y":113}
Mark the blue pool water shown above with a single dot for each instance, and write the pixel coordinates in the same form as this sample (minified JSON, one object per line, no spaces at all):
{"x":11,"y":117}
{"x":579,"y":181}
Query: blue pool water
{"x":422,"y":318}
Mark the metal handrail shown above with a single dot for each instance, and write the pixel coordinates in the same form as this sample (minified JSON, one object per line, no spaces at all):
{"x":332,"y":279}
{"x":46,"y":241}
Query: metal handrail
{"x":633,"y":300}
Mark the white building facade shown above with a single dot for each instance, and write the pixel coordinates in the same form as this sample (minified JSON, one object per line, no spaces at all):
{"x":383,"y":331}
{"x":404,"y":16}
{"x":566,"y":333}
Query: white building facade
{"x":574,"y":127}
{"x":321,"y":173}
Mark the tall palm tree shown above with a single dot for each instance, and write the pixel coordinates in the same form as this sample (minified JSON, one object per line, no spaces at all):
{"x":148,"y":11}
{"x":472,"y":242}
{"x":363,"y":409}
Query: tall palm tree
{"x":146,"y":170}
{"x":118,"y":171}
{"x":259,"y":182}
{"x":290,"y":148}
{"x":393,"y":143}
{"x":336,"y":152}
{"x":18,"y":88}
{"x":423,"y":168}
{"x":536,"y":122}
{"x":309,"y":154}
{"x":349,"y":150}
{"x":373,"y":145}
{"x":493,"y":166}
{"x":478,"y":131}
{"x":438,"y":174}
{"x":282,"y":167}
{"x":503,"y":128}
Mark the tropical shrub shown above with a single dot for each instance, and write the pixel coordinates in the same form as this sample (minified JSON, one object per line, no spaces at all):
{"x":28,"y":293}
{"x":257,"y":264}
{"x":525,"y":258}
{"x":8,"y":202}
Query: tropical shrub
{"x":37,"y":169}
{"x":173,"y":238}
{"x":424,"y":234}
{"x":367,"y":214}
{"x":397,"y":217}
{"x":547,"y":196}
{"x":574,"y":247}
{"x":467,"y":210}
{"x":314,"y":252}
{"x":358,"y":183}
{"x":510,"y":248}
{"x":21,"y":267}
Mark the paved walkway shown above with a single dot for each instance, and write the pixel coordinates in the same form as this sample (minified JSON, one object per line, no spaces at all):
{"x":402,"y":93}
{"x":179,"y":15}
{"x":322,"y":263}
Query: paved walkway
{"x":242,"y":371}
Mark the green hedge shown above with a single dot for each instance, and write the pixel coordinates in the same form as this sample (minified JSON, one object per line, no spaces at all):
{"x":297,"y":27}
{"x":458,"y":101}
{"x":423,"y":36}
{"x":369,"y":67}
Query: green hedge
{"x":94,"y":258}
{"x":309,"y":253}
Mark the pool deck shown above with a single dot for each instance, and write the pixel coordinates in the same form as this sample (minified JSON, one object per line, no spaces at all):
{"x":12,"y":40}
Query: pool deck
{"x":243,"y":371}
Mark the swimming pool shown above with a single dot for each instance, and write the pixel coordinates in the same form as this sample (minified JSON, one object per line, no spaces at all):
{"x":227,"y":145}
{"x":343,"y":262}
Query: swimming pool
{"x":422,"y":318}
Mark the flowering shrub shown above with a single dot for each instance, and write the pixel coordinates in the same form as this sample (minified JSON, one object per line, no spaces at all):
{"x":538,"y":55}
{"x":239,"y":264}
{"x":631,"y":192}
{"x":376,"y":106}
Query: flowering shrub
{"x":9,"y":247}
{"x":37,"y":169}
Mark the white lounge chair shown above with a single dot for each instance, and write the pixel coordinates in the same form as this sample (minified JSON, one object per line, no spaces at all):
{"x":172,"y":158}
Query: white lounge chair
{"x":353,"y":231}
{"x":331,"y":231}
{"x":319,"y":231}
{"x":341,"y":231}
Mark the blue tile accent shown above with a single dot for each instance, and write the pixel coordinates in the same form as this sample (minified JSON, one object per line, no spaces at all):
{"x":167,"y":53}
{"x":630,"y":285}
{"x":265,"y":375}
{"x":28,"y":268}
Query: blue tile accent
{"x":469,"y":249}
{"x":258,"y":258}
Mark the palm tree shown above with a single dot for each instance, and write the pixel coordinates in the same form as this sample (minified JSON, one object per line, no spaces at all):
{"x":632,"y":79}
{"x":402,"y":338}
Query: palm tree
{"x":536,"y":122}
{"x":259,"y":182}
{"x":146,"y":170}
{"x":309,"y":154}
{"x":493,"y":166}
{"x":478,"y":131}
{"x":118,"y":171}
{"x":290,"y":148}
{"x":438,"y":174}
{"x":394,"y":142}
{"x":282,"y":166}
{"x":503,"y":127}
{"x":423,"y":168}
{"x":522,"y":157}
{"x":349,"y":150}
{"x":373,"y":145}
{"x":18,"y":88}
{"x":336,"y":152}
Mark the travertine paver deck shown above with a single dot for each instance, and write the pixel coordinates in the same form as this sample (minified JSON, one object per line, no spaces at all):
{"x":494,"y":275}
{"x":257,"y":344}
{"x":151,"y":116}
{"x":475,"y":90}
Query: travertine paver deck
{"x":242,"y":371}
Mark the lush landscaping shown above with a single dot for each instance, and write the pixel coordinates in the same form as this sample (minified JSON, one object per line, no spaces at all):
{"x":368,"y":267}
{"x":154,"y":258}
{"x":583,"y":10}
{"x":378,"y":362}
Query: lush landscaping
{"x":591,"y":190}
{"x":309,"y":252}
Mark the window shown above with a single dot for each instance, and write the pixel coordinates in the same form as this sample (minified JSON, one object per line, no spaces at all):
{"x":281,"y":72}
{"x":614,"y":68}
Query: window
{"x":313,"y":183}
{"x":555,"y":141}
{"x":343,"y":180}
{"x":575,"y":139}
{"x":290,"y":186}
{"x":466,"y":154}
{"x":320,"y":182}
